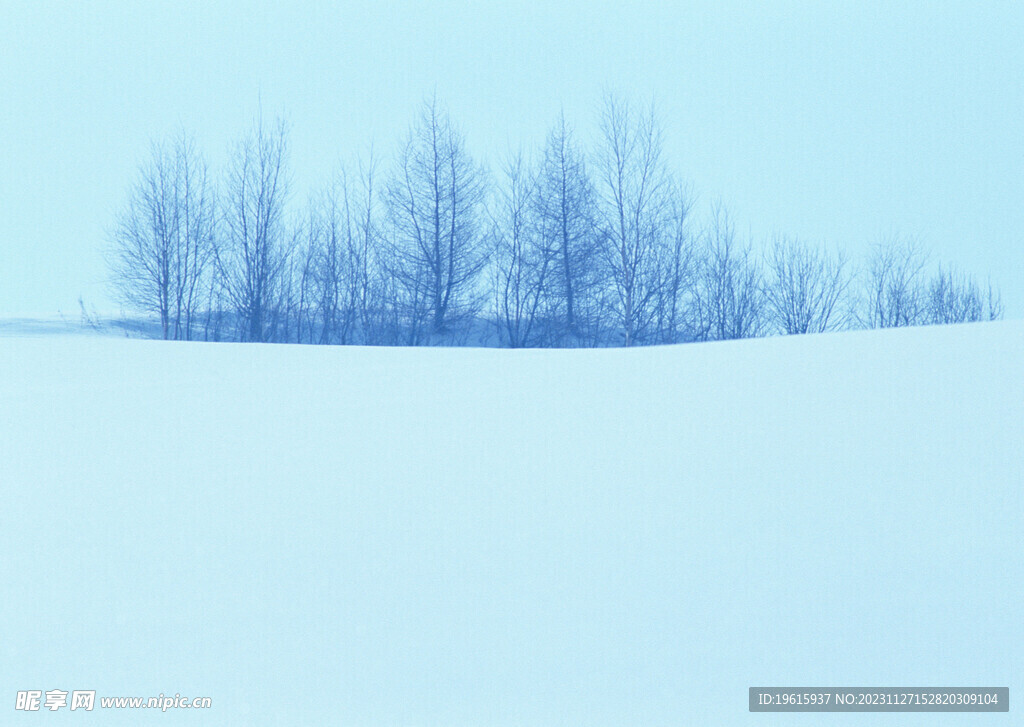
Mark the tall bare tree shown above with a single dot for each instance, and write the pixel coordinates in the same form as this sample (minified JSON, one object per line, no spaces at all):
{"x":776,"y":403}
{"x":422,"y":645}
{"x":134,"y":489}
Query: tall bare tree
{"x":677,"y":268}
{"x":254,"y":256}
{"x":343,"y":287}
{"x":728,"y":299}
{"x":635,"y":206}
{"x":164,"y":238}
{"x":435,"y":198}
{"x":373,"y":291}
{"x":565,"y":207}
{"x":522,"y":262}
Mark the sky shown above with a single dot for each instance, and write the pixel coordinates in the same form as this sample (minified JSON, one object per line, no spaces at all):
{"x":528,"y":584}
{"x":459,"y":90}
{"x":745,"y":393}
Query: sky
{"x":838,"y":123}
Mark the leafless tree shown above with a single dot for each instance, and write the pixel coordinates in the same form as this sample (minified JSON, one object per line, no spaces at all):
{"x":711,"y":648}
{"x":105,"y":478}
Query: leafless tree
{"x":565,"y":211}
{"x":635,"y":207}
{"x":215,"y":306}
{"x":380,"y":302}
{"x":435,"y":198}
{"x":522,"y":263}
{"x":676,"y":265}
{"x":163,"y":240}
{"x":993,"y":304}
{"x":347,"y":294}
{"x":953,"y":297}
{"x":373,"y":292}
{"x":894,"y":291}
{"x":303,"y":306}
{"x":805,"y":287}
{"x":255,"y":255}
{"x":728,"y":299}
{"x":331,"y":269}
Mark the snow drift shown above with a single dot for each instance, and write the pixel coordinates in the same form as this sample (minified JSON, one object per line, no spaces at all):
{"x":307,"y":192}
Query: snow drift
{"x":467,"y":536}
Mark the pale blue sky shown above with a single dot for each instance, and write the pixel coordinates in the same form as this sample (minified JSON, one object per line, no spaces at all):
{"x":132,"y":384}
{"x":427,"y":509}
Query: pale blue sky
{"x":836,"y":122}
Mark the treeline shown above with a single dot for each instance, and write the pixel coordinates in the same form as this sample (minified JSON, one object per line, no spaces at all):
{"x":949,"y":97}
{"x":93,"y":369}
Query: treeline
{"x":570,"y":246}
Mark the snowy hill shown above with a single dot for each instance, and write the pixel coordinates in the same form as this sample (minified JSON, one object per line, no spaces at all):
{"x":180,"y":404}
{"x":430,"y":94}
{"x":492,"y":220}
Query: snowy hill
{"x":444,"y":537}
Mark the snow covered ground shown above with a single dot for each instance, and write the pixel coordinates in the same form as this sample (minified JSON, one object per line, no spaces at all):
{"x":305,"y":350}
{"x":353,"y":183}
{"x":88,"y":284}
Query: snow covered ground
{"x":315,"y":536}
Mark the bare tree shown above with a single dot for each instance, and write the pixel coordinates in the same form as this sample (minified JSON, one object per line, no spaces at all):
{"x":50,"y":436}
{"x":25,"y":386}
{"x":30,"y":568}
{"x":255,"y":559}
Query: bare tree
{"x":255,"y":254}
{"x":163,"y":240}
{"x":331,"y":270}
{"x":953,"y":297}
{"x":635,"y":211}
{"x":994,"y":304}
{"x":728,"y":300}
{"x":364,"y":245}
{"x":565,"y":209}
{"x":804,"y":288}
{"x":349,"y":293}
{"x":344,"y":293}
{"x":894,"y":290}
{"x":215,"y":306}
{"x":522,"y":263}
{"x":303,"y":267}
{"x":323,"y":309}
{"x":676,"y":265}
{"x":435,"y":198}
